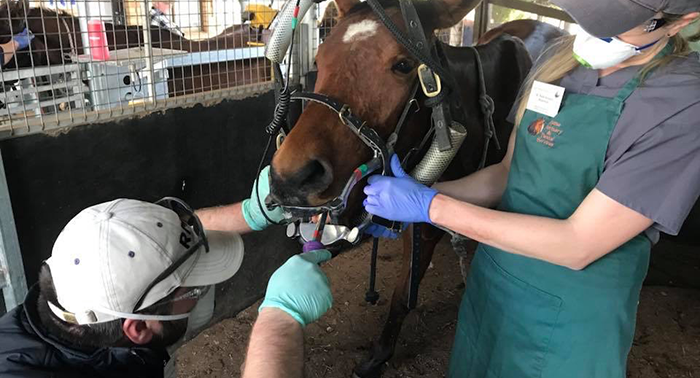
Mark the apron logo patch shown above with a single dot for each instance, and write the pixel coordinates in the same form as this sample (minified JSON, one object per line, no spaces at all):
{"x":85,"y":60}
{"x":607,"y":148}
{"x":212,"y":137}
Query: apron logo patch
{"x":536,"y":126}
{"x":546,"y":133}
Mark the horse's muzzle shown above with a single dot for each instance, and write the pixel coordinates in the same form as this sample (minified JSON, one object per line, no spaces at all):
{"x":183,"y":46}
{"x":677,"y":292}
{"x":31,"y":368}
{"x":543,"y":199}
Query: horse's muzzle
{"x":302,"y":187}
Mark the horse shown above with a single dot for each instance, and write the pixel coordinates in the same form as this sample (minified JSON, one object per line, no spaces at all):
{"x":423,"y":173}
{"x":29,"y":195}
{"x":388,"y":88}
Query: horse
{"x":57,"y":36}
{"x":362,"y":65}
{"x":535,"y":34}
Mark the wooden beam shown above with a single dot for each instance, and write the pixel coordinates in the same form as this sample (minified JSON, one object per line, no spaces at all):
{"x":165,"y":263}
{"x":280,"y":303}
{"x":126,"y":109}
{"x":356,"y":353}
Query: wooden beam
{"x":206,"y":10}
{"x":534,"y":8}
{"x":481,"y":20}
{"x":14,"y":287}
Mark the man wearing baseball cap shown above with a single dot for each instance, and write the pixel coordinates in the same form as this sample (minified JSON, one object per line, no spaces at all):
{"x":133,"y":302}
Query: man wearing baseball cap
{"x":127,"y":278}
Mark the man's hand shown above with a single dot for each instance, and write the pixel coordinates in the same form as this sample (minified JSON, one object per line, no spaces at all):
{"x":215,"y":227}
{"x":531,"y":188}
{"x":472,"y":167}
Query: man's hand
{"x":253,"y":209}
{"x":399,"y":198}
{"x":300,"y":288}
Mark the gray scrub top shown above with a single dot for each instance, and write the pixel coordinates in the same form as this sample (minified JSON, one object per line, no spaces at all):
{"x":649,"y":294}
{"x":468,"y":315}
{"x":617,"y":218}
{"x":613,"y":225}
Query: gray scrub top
{"x":652,"y":164}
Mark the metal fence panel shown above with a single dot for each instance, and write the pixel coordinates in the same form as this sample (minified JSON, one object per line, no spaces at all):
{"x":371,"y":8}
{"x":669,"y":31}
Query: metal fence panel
{"x":95,"y":60}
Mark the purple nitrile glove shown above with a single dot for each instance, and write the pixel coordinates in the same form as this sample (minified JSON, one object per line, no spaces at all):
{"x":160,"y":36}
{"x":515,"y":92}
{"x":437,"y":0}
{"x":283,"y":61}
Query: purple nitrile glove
{"x":379,"y":231}
{"x":399,"y":198}
{"x":23,"y":39}
{"x":313,"y":245}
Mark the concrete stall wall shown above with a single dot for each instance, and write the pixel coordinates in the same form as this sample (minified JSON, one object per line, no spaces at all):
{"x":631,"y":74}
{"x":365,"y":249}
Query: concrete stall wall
{"x":204,"y":155}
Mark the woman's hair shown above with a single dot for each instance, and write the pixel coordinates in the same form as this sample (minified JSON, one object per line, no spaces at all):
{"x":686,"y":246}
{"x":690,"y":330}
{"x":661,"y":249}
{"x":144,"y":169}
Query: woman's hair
{"x":561,"y":61}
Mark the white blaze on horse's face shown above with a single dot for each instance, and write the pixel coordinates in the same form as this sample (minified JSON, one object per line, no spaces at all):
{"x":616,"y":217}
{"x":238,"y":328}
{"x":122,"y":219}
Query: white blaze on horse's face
{"x":360,"y":31}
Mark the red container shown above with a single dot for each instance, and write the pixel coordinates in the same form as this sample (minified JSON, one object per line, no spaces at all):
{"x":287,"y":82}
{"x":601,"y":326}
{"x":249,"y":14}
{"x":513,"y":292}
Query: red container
{"x":98,"y":40}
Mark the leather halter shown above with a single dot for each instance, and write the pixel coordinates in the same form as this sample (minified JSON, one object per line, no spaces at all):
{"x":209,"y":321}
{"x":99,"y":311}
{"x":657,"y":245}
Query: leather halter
{"x":382,"y":149}
{"x":359,"y":127}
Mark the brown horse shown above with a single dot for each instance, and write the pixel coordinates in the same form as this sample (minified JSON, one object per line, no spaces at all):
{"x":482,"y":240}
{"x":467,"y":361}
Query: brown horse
{"x":57,"y":35}
{"x":362,"y":65}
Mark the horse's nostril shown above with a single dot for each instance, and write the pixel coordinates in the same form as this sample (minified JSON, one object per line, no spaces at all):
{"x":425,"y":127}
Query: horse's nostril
{"x":303,"y":184}
{"x":314,"y":173}
{"x":314,"y":177}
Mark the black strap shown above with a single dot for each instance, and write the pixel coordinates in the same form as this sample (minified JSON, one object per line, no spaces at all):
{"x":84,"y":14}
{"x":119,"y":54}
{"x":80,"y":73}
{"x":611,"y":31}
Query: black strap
{"x":404,"y":114}
{"x":419,"y":46}
{"x":487,"y":108}
{"x":367,"y":134}
{"x":372,"y":296}
{"x":406,"y":42}
{"x":414,"y":273}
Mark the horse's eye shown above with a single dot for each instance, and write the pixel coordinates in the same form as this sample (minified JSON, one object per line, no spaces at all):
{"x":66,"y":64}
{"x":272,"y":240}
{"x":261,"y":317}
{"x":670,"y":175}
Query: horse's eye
{"x":403,"y":66}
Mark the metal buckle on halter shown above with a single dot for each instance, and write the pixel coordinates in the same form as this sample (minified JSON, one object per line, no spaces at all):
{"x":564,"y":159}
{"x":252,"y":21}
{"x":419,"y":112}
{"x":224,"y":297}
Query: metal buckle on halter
{"x":429,"y":81}
{"x":344,"y":112}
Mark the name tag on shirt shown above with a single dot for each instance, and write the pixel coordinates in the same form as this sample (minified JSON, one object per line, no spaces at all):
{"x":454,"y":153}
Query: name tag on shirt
{"x":545,"y":98}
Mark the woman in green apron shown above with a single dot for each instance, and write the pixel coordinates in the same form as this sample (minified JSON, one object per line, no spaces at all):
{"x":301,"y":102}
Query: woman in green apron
{"x":605,"y":155}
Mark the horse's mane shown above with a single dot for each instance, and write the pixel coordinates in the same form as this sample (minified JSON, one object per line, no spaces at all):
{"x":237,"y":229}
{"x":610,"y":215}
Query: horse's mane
{"x":52,"y":12}
{"x":11,"y":8}
{"x":364,"y":6}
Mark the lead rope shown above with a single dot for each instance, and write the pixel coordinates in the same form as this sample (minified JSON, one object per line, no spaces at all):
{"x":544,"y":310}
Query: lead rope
{"x":73,"y":51}
{"x":487,"y":108}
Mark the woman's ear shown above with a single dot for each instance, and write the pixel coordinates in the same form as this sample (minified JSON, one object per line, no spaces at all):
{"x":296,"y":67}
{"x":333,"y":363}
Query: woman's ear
{"x":137,"y":331}
{"x":441,"y":14}
{"x":344,"y":6}
{"x":684,"y":21}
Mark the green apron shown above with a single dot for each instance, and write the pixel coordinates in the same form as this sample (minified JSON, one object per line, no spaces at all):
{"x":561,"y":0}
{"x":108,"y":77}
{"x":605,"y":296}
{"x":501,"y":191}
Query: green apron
{"x":522,"y":317}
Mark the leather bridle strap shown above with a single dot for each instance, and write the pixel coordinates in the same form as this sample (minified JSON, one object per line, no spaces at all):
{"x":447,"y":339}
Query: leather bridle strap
{"x":367,"y":134}
{"x":423,"y":50}
{"x":404,"y":114}
{"x":487,"y":109}
{"x":406,"y":42}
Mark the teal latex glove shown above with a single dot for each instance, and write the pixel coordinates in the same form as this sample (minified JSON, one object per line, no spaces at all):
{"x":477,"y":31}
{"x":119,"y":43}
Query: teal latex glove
{"x":252,"y":211}
{"x":300,"y":288}
{"x":23,"y":39}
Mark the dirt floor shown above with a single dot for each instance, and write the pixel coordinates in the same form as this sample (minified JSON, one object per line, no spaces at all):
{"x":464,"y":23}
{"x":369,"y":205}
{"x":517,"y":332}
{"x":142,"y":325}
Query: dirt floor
{"x":667,"y":343}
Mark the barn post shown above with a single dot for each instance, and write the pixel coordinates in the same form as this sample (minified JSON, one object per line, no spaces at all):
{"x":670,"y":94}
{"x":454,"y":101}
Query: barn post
{"x":12,"y":279}
{"x":481,"y":20}
{"x":83,"y":17}
{"x":148,"y":53}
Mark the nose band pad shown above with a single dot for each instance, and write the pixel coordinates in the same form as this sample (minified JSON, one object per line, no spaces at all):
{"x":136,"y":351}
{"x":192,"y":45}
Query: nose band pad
{"x":332,"y":233}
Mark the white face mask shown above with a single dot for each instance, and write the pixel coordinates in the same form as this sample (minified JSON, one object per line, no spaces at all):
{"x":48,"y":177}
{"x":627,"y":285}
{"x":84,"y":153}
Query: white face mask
{"x":201,"y":314}
{"x":600,"y":53}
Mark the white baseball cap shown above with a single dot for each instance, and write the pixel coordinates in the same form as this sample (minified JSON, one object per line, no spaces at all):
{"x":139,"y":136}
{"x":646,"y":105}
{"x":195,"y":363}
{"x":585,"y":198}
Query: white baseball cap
{"x":108,"y":256}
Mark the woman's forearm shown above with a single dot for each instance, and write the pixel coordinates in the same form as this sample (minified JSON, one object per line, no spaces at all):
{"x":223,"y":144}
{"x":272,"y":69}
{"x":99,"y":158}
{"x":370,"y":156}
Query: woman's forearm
{"x":482,"y":188}
{"x":537,"y":237}
{"x":8,"y":50}
{"x":276,"y":346}
{"x":598,"y":226}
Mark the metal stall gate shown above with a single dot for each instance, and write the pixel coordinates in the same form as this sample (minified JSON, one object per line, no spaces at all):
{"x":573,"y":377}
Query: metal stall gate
{"x":95,"y":60}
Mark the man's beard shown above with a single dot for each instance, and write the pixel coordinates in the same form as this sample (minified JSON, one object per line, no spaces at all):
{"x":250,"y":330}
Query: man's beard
{"x":171,"y":333}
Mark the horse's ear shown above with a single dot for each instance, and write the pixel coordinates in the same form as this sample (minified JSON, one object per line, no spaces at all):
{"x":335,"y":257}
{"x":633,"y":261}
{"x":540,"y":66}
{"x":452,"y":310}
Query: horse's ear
{"x":344,"y":6}
{"x":441,"y":14}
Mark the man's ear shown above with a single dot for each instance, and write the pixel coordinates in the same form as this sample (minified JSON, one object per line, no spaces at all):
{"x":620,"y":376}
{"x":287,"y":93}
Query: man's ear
{"x":137,"y":331}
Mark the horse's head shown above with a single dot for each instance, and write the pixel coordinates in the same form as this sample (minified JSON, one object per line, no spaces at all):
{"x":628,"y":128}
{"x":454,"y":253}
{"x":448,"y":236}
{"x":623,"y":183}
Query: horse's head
{"x":362,"y":65}
{"x":12,"y":18}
